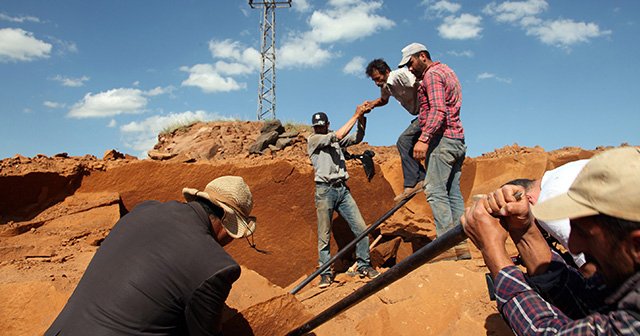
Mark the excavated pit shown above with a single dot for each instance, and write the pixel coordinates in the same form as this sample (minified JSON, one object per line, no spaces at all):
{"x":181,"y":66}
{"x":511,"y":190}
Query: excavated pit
{"x":53,"y":220}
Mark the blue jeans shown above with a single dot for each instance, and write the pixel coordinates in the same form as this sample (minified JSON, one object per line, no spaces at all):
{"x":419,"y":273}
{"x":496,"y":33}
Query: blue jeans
{"x":412,"y":170}
{"x":328,"y":199}
{"x":444,"y":166}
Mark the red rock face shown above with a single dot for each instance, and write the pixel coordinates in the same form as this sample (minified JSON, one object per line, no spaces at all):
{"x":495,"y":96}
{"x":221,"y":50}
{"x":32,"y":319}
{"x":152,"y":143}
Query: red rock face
{"x":54,"y":212}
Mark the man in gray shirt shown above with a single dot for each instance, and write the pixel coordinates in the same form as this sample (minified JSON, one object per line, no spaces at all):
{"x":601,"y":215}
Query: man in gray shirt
{"x":402,"y":85}
{"x":325,"y":151}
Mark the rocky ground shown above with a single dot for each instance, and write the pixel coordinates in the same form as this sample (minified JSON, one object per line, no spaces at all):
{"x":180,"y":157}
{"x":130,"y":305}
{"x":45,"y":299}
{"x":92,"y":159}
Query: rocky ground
{"x":55,"y":212}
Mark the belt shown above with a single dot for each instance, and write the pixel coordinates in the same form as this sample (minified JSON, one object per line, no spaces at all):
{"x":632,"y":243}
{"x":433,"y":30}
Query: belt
{"x":334,"y":184}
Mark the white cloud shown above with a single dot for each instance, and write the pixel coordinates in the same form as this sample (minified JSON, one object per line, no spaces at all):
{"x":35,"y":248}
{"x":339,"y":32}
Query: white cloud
{"x":564,"y":33}
{"x":443,"y":6}
{"x":301,"y":6}
{"x":142,"y":135}
{"x":347,"y":21}
{"x":341,"y":21}
{"x":464,"y":53}
{"x":53,"y":105}
{"x":560,"y":33}
{"x":232,"y":69}
{"x":465,"y":26}
{"x":71,"y":82}
{"x":209,"y":80}
{"x":112,"y":123}
{"x":302,"y":53}
{"x":513,"y":11}
{"x":355,"y":66}
{"x":236,"y":52}
{"x":159,"y":91}
{"x":19,"y":45}
{"x":109,"y":103}
{"x":19,"y":19}
{"x":237,"y":60}
{"x":487,"y":75}
{"x":225,"y":49}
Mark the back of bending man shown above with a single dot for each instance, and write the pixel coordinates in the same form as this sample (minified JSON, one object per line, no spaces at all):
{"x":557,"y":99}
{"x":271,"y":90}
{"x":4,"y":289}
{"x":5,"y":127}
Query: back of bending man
{"x":402,"y":85}
{"x":332,"y":193}
{"x":162,"y":269}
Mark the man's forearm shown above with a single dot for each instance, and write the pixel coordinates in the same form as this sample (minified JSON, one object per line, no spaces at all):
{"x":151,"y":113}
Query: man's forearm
{"x":346,"y":128}
{"x":362,"y":125}
{"x":533,"y":248}
{"x":496,"y":258}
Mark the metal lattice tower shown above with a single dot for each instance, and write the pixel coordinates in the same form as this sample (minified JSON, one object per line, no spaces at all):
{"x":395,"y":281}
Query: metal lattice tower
{"x":267,"y":84}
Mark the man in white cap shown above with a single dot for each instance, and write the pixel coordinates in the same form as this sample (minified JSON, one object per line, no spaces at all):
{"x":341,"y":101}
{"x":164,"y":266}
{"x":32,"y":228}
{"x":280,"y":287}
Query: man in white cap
{"x":555,"y":182}
{"x":325,"y":151}
{"x":441,"y":141}
{"x":402,"y":85}
{"x":603,"y":205}
{"x":162,"y":269}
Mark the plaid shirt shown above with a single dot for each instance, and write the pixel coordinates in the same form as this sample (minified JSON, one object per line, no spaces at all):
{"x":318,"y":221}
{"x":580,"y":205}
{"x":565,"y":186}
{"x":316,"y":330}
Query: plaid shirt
{"x":439,"y":101}
{"x":529,"y":314}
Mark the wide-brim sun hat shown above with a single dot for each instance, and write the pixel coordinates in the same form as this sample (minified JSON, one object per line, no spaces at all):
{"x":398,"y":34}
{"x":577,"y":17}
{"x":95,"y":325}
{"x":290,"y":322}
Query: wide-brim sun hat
{"x":232,"y":194}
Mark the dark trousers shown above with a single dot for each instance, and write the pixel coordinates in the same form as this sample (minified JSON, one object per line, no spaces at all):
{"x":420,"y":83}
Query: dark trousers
{"x":412,"y":170}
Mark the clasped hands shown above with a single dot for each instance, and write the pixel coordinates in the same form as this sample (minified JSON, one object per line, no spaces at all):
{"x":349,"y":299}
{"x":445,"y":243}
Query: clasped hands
{"x":492,"y":217}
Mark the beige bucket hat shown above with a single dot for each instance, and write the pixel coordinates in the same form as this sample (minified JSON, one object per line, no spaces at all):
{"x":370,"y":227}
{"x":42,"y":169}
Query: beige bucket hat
{"x":231,"y":194}
{"x":609,"y":184}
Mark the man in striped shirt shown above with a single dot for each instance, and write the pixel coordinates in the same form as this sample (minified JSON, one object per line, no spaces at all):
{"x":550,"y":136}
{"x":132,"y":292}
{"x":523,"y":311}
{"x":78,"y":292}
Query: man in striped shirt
{"x":603,"y":205}
{"x":441,"y":142}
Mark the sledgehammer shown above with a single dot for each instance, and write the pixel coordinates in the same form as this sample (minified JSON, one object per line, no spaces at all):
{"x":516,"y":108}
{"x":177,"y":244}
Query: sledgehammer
{"x":448,"y":240}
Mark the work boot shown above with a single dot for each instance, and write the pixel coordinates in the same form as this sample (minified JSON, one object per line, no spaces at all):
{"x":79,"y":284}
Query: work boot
{"x":368,"y":271}
{"x":409,"y":191}
{"x":325,"y":281}
{"x":462,"y":251}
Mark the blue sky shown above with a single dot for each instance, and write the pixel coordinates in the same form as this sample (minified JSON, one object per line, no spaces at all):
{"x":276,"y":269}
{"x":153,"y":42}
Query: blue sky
{"x":83,"y":77}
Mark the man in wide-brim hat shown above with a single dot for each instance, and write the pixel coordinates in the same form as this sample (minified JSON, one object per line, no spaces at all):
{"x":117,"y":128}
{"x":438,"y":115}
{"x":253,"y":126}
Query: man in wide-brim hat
{"x":162,"y":268}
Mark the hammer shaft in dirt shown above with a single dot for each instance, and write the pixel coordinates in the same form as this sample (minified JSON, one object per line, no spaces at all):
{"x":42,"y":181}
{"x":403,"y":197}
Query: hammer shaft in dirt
{"x":349,"y":246}
{"x":448,"y":240}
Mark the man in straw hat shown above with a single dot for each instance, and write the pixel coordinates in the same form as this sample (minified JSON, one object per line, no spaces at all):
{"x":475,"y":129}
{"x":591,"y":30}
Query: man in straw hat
{"x":162,"y":269}
{"x":325,"y":151}
{"x":603,"y":205}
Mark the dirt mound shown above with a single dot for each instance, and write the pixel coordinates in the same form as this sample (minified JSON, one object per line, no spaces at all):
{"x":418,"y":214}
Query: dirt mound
{"x":55,"y":211}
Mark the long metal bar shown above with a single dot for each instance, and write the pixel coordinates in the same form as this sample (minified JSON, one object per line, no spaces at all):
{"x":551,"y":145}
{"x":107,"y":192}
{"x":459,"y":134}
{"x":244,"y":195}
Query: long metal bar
{"x":448,"y":240}
{"x":348,"y":247}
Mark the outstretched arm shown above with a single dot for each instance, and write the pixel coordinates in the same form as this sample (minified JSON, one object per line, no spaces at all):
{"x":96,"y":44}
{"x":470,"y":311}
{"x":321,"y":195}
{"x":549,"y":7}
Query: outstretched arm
{"x":371,"y":104}
{"x":346,"y":128}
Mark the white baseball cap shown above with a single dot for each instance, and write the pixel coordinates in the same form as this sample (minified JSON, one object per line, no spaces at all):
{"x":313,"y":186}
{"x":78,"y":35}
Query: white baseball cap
{"x":409,"y":50}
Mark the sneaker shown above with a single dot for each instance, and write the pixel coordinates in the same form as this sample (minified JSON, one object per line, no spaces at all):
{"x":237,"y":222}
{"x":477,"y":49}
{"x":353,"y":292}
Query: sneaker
{"x":368,"y":271}
{"x":325,"y":281}
{"x":407,"y":192}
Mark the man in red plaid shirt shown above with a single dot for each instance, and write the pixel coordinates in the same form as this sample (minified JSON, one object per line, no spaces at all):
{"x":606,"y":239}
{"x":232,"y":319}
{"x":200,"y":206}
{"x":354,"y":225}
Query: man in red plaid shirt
{"x":441,"y":143}
{"x":603,"y":205}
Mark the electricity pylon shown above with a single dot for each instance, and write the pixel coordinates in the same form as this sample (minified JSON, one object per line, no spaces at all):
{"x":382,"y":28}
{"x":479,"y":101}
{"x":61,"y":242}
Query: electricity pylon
{"x":267,"y":84}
